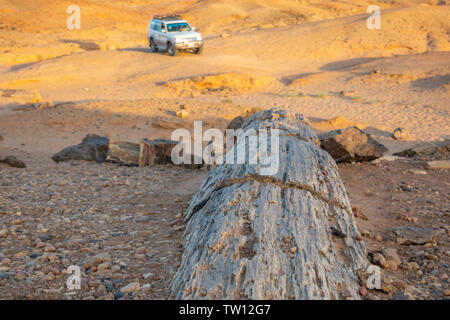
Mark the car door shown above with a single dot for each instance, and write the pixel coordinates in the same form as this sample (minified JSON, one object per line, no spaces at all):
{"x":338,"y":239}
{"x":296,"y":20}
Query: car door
{"x":157,"y":33}
{"x":164,"y":35}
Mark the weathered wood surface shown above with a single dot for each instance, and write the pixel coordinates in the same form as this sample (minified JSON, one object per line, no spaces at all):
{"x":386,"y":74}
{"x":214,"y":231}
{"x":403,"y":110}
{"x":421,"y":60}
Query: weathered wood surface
{"x":286,"y":236}
{"x":156,"y":151}
{"x":123,"y":152}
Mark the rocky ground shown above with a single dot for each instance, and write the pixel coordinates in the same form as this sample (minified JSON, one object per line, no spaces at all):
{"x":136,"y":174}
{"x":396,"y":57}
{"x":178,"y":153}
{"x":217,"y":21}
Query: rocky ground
{"x":122,"y":226}
{"x":119,"y":224}
{"x":392,"y":194}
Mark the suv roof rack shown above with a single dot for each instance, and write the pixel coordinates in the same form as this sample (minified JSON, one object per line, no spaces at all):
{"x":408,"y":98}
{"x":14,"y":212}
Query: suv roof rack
{"x":167,"y":17}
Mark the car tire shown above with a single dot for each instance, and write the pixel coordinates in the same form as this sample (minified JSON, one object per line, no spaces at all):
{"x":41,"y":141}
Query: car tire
{"x":153,"y":47}
{"x":199,"y":50}
{"x":171,"y":50}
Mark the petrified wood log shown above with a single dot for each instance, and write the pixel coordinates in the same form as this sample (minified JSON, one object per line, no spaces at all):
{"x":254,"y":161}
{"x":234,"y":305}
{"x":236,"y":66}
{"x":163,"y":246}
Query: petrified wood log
{"x":156,"y":151}
{"x":92,"y":148}
{"x":290,"y":235}
{"x":123,"y":152}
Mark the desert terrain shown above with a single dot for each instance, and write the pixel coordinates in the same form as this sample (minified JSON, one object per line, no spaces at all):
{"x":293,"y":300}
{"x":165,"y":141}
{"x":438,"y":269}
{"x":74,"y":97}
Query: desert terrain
{"x":123,"y":224}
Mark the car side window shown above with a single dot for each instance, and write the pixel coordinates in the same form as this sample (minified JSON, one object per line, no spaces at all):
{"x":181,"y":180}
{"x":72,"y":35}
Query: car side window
{"x":163,"y":27}
{"x":152,"y":25}
{"x":156,"y":26}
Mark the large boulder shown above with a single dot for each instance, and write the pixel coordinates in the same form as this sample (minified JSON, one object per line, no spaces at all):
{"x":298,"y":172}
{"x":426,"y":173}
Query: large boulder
{"x":287,"y":235}
{"x":351,"y":144}
{"x":92,"y":148}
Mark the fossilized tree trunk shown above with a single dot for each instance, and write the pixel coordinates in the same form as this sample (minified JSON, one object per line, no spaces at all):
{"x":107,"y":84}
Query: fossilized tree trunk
{"x":290,"y":235}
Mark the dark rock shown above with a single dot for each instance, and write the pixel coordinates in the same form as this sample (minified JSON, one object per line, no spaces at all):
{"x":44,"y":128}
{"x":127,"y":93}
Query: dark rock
{"x":351,"y":144}
{"x":428,"y":151}
{"x":92,"y":148}
{"x":118,"y":295}
{"x":414,"y":235}
{"x":236,"y":123}
{"x":401,"y":295}
{"x":6,"y":275}
{"x":13,"y":162}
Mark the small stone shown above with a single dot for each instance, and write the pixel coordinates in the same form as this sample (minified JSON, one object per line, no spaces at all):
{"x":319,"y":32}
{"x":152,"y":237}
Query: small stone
{"x":400,"y":284}
{"x":378,"y":237}
{"x":391,"y":264}
{"x":446,"y":293}
{"x":182,"y":114}
{"x":431,"y":257}
{"x":391,"y":254}
{"x":401,"y":134}
{"x":115,"y":269}
{"x":118,"y":295}
{"x":141,"y":250}
{"x":130,"y":288}
{"x":378,"y":259}
{"x":148,"y":275}
{"x":146,"y":288}
{"x":413,"y":266}
{"x":362,"y":291}
{"x":365,"y":233}
{"x":5,"y":261}
{"x":49,"y":277}
{"x":103,"y":266}
{"x":50,"y":248}
{"x":3,"y":233}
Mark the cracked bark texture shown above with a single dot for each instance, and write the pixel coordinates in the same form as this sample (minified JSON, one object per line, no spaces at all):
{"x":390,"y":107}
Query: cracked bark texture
{"x":290,"y":235}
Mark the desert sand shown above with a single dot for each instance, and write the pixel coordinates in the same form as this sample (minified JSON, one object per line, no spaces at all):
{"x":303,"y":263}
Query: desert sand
{"x":317,"y":58}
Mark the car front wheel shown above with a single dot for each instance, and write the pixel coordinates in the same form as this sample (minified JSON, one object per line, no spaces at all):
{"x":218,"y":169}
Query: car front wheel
{"x":199,"y":50}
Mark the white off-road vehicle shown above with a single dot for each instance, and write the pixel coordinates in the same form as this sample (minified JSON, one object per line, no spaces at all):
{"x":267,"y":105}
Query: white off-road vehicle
{"x":173,"y":34}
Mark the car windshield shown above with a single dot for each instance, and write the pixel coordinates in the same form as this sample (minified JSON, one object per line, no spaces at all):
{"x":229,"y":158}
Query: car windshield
{"x":177,"y":27}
